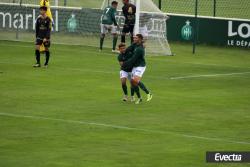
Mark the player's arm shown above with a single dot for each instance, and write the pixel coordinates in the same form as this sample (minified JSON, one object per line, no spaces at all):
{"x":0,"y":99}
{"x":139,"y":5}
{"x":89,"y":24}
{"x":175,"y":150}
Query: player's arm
{"x":134,"y":9}
{"x":132,"y":60}
{"x":113,"y":18}
{"x":124,"y":12}
{"x":48,"y":30}
{"x":37,"y":27}
{"x":120,"y":59}
{"x":131,"y":48}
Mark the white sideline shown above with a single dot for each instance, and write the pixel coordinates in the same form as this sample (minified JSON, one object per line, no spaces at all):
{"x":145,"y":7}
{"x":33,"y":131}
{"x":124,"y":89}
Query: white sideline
{"x":201,"y":64}
{"x":210,"y":75}
{"x":152,"y":77}
{"x":150,"y":57}
{"x":123,"y":128}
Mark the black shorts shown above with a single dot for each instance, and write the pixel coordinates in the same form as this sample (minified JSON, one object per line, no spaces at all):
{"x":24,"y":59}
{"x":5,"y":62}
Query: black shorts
{"x":46,"y":44}
{"x":128,"y":28}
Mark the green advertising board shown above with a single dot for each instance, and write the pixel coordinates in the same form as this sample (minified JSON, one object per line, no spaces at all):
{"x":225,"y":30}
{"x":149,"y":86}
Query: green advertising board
{"x":215,"y":31}
{"x":23,"y":18}
{"x":72,"y":20}
{"x":79,"y":21}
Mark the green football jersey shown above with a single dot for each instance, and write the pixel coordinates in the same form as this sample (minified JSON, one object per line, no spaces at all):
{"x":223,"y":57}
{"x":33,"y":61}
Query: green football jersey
{"x":108,"y":16}
{"x":124,"y":57}
{"x":138,"y":59}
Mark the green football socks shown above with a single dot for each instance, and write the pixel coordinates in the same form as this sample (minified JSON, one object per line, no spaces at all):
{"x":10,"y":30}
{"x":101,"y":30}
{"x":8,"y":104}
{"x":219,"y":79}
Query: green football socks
{"x":143,"y":87}
{"x":115,"y":38}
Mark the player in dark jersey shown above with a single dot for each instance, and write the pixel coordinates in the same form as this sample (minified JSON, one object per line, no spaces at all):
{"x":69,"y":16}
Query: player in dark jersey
{"x":43,"y":29}
{"x":129,"y":11}
{"x":137,"y":61}
{"x":125,"y":72}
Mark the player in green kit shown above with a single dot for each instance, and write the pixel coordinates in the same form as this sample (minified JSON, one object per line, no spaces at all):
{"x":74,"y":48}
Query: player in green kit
{"x":109,"y":24}
{"x":137,"y":61}
{"x":125,"y":72}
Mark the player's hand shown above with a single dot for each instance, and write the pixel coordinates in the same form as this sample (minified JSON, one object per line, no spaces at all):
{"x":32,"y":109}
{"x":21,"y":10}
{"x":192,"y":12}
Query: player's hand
{"x":45,"y":40}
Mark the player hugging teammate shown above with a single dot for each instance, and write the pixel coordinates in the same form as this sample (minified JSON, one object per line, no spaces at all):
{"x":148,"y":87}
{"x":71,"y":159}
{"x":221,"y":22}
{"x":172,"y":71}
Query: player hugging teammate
{"x":126,"y":71}
{"x":134,"y":63}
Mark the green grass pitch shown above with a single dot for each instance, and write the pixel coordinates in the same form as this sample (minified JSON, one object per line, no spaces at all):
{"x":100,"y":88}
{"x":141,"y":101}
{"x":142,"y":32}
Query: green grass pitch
{"x":71,"y":114}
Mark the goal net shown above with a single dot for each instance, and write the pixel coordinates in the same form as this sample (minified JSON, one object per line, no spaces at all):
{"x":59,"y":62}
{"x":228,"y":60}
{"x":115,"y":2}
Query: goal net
{"x":151,"y":23}
{"x":79,"y":25}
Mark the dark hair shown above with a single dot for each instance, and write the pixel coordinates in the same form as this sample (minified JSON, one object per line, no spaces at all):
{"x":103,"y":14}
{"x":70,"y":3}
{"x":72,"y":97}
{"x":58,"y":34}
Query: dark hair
{"x":43,"y":8}
{"x":139,"y":36}
{"x":114,"y":3}
{"x":122,"y":45}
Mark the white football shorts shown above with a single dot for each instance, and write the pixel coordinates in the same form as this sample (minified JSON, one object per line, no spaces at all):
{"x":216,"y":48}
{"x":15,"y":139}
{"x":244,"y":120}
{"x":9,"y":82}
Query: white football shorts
{"x":124,"y":74}
{"x":105,"y":28}
{"x":138,"y":71}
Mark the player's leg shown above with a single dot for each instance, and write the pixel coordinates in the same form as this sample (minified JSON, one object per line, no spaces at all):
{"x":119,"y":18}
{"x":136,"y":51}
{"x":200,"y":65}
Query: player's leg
{"x":124,"y":31}
{"x":125,"y":89}
{"x":137,"y":91}
{"x":135,"y":86}
{"x":137,"y":75}
{"x":47,"y":57}
{"x":37,"y":52}
{"x":102,"y":41}
{"x":123,"y":77}
{"x":123,"y":38}
{"x":132,"y":91}
{"x":47,"y":53}
{"x":139,"y":71}
{"x":102,"y":36}
{"x":115,"y":37}
{"x":131,"y":31}
{"x":143,"y":87}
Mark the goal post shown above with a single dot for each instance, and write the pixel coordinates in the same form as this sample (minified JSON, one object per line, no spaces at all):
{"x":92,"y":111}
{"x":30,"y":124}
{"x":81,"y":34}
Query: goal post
{"x":150,"y":22}
{"x":137,"y":18}
{"x":81,"y":26}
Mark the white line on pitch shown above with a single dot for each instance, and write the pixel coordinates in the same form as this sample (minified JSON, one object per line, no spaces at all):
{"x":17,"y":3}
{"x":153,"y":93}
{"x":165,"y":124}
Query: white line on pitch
{"x":151,"y":57}
{"x":200,"y":64}
{"x":210,"y":75}
{"x":153,"y":77}
{"x":123,"y":127}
